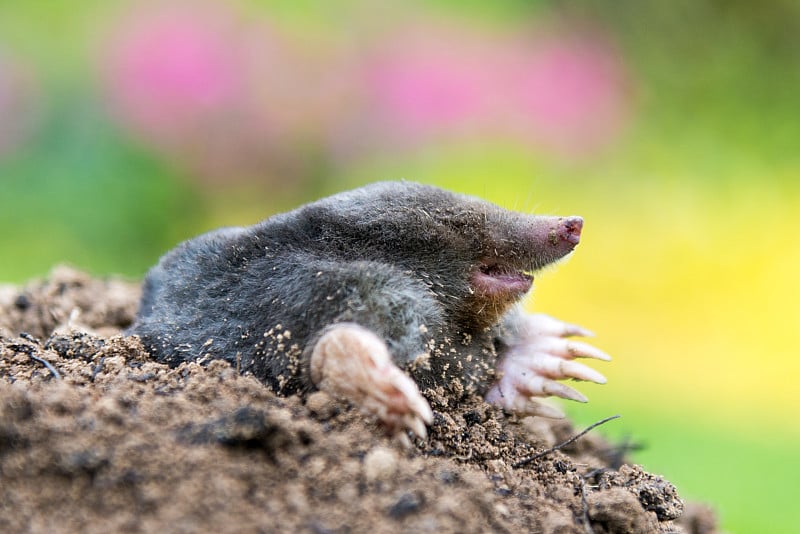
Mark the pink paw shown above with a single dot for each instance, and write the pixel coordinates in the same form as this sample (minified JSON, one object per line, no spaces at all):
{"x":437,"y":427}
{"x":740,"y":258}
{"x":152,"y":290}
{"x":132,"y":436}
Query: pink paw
{"x":537,"y":356}
{"x":351,"y":362}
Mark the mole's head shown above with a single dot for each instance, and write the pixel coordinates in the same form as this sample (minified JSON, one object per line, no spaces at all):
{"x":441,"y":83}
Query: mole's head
{"x":476,"y":257}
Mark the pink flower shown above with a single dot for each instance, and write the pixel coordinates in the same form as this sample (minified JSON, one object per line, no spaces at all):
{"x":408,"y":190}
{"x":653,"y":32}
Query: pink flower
{"x":224,"y":96}
{"x":429,"y":80}
{"x":565,"y":89}
{"x":421,"y":92}
{"x":172,"y":68}
{"x":19,"y":103}
{"x":570,"y":91}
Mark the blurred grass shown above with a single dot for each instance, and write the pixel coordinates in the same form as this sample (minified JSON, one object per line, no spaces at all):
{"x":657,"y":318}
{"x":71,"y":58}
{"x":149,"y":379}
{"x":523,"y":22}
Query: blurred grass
{"x":745,"y":472}
{"x":701,"y":318}
{"x":94,"y":200}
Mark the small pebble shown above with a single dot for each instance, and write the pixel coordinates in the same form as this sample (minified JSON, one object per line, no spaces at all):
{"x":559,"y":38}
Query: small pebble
{"x":321,"y":404}
{"x":380,"y":464}
{"x":407,"y":504}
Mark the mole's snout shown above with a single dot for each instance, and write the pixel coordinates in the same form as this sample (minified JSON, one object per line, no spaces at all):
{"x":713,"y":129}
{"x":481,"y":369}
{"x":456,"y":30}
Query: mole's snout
{"x":570,"y":229}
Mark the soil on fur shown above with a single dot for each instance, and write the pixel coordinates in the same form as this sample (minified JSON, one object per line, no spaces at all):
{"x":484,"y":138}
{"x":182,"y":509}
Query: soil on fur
{"x":95,"y":436}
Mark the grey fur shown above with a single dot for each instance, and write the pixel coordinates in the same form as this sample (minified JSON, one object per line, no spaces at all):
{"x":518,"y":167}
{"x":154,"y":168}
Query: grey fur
{"x":394,"y":257}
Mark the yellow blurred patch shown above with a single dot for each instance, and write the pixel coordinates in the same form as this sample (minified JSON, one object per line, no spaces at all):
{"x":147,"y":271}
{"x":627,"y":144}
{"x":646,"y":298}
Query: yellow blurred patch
{"x":694,"y":294}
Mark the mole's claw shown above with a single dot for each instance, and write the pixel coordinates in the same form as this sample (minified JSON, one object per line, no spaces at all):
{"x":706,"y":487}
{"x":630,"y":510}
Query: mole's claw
{"x":570,"y":369}
{"x":539,"y":324}
{"x":537,"y":355}
{"x":579,"y":349}
{"x":542,"y":410}
{"x":416,"y":426}
{"x":538,"y":386}
{"x":351,"y":362}
{"x":568,"y":330}
{"x":567,"y":349}
{"x":557,"y":389}
{"x":421,"y":408}
{"x":575,"y":330}
{"x":512,"y":401}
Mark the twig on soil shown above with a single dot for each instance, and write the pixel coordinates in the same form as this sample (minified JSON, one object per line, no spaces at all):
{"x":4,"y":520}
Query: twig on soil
{"x":47,"y":364}
{"x":28,"y":349}
{"x":573,"y":439}
{"x":28,"y":337}
{"x":587,"y":522}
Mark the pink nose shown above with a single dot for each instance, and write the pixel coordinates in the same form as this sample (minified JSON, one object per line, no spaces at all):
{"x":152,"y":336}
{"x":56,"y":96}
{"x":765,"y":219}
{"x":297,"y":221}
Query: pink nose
{"x":570,"y":229}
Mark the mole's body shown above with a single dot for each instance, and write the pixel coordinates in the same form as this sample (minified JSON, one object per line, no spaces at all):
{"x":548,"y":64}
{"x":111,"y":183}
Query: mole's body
{"x":343,"y":293}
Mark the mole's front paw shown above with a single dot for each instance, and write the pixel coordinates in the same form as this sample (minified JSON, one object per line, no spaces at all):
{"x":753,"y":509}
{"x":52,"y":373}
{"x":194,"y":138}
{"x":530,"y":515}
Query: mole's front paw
{"x":537,"y":356}
{"x":351,"y":362}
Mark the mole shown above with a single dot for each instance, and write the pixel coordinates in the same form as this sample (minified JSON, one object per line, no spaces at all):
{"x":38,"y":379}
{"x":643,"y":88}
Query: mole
{"x":389,"y":296}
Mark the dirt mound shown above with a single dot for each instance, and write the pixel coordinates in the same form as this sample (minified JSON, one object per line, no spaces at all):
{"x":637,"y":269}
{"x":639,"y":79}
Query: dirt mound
{"x":97,"y":437}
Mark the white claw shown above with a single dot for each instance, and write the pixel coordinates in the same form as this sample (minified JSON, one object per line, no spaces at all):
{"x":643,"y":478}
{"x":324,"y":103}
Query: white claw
{"x":542,"y":410}
{"x":540,"y":324}
{"x":403,"y":440}
{"x":416,"y":426}
{"x":579,"y":349}
{"x":537,"y":355}
{"x":569,"y":369}
{"x":564,"y":348}
{"x":557,"y":389}
{"x":539,"y":386}
{"x":555,"y":367}
{"x":520,"y":404}
{"x":351,"y":362}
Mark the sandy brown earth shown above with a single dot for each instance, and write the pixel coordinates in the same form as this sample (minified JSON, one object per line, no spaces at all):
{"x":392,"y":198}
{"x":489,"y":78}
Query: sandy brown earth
{"x":95,"y":436}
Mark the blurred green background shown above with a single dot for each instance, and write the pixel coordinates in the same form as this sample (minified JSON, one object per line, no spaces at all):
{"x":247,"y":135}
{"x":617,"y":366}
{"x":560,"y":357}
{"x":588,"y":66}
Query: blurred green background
{"x":672,"y":127}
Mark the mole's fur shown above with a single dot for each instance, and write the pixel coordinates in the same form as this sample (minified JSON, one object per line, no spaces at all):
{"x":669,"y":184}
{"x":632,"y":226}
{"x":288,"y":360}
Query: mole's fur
{"x":432,"y":273}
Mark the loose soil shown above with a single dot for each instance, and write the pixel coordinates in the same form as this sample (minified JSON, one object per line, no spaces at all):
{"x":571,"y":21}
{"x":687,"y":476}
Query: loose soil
{"x":95,"y":436}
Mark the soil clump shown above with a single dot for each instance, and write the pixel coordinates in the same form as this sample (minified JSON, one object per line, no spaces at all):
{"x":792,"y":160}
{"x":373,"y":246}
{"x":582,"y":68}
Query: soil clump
{"x":95,"y":436}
